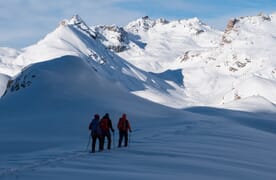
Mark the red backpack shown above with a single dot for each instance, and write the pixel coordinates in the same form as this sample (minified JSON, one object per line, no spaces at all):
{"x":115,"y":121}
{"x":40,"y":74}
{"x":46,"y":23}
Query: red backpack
{"x":123,"y":124}
{"x":104,"y":124}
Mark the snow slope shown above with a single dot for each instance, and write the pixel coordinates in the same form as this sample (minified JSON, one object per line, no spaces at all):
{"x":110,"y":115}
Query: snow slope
{"x":205,"y":66}
{"x":74,"y":37}
{"x":59,"y":83}
{"x":44,"y":132}
{"x":242,"y":66}
{"x":55,"y":108}
{"x":159,"y":42}
{"x":216,"y":67}
{"x":3,"y":83}
{"x":7,"y":65}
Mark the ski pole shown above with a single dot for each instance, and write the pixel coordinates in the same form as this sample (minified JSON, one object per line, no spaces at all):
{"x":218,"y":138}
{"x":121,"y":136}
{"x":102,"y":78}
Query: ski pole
{"x":89,"y":138}
{"x":129,"y":135}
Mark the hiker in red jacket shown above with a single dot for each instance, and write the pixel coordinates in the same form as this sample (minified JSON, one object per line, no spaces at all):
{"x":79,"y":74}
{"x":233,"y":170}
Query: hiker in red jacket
{"x":105,"y":125}
{"x":124,"y":127}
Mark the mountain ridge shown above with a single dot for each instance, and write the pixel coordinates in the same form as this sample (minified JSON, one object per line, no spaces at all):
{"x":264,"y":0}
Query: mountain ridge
{"x":214,"y":64}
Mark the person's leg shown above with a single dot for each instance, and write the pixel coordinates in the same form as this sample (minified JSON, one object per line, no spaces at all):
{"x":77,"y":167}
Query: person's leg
{"x":101,"y":143}
{"x":121,"y":134}
{"x":126,"y":138}
{"x":94,"y":138}
{"x":108,"y":135}
{"x":103,"y":140}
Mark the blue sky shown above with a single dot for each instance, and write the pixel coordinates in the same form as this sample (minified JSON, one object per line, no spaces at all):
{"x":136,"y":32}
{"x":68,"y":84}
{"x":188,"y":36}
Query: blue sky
{"x":24,"y":22}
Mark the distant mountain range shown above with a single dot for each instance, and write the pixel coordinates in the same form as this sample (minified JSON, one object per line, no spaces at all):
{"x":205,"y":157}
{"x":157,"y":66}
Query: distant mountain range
{"x":174,"y":63}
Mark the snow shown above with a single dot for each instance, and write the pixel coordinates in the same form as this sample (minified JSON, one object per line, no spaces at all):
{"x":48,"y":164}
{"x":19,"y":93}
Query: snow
{"x":243,"y":66}
{"x":201,"y":102}
{"x":252,"y":104}
{"x":49,"y":139}
{"x":217,"y":67}
{"x":165,"y":41}
{"x":213,"y":72}
{"x":3,"y":83}
{"x":7,"y":56}
{"x":74,"y":37}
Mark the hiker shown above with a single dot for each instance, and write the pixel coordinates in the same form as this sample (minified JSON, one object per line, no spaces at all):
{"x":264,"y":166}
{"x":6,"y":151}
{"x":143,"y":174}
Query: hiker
{"x":124,"y":127}
{"x":105,"y":125}
{"x":96,"y":132}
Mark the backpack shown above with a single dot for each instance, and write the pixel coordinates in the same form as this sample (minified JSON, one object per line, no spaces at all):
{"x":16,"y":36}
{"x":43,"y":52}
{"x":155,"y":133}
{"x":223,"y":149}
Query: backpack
{"x":94,"y":127}
{"x":104,"y":124}
{"x":123,"y":124}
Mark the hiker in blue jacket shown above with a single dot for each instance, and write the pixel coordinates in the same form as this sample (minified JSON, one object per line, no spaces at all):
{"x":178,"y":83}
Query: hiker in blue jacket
{"x":96,"y":133}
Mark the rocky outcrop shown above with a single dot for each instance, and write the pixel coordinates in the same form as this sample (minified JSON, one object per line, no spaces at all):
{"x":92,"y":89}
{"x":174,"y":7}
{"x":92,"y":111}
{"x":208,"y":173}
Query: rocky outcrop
{"x":144,"y":24}
{"x":113,"y":37}
{"x":230,"y":26}
{"x":185,"y":57}
{"x":265,"y":17}
{"x":23,"y":81}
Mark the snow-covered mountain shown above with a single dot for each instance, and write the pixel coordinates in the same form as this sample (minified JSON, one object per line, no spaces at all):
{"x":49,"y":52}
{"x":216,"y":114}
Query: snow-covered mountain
{"x":216,"y":67}
{"x":154,"y":45}
{"x":177,"y":63}
{"x":55,"y":87}
{"x":242,"y":66}
{"x":74,"y":37}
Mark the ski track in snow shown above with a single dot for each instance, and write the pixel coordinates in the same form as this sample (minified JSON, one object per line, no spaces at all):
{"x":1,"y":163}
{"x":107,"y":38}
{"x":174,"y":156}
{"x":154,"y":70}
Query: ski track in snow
{"x":37,"y":162}
{"x":211,"y":148}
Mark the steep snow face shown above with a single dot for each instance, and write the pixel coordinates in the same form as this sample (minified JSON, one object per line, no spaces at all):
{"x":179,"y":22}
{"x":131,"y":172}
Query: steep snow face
{"x":242,"y":66}
{"x":193,"y":64}
{"x":65,"y":78}
{"x":61,"y":96}
{"x":74,"y":37}
{"x":71,"y":37}
{"x":155,"y":44}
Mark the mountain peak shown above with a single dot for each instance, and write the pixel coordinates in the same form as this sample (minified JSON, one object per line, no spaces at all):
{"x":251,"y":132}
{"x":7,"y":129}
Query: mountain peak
{"x":145,"y":17}
{"x":141,"y":24}
{"x":76,"y":19}
{"x":144,"y":24}
{"x":241,"y":27}
{"x":195,"y":20}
